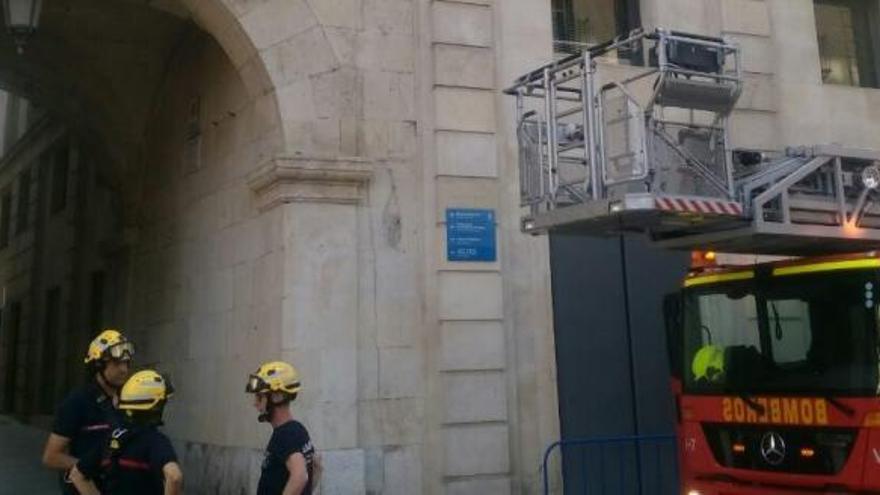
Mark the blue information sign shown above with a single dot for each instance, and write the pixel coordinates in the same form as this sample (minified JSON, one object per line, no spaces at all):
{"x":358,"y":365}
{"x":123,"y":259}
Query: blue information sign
{"x":470,"y":234}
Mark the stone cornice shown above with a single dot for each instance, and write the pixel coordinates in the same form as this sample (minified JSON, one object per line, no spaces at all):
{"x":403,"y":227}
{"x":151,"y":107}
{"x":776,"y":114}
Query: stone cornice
{"x":286,"y":179}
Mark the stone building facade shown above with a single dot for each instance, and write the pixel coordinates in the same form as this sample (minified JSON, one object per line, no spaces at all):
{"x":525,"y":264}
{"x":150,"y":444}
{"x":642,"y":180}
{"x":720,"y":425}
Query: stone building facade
{"x":281,"y":170}
{"x":59,"y":269}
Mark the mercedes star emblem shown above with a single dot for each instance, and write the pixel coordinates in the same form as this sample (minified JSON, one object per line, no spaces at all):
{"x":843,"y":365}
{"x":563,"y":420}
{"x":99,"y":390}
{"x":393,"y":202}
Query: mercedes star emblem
{"x":773,"y":448}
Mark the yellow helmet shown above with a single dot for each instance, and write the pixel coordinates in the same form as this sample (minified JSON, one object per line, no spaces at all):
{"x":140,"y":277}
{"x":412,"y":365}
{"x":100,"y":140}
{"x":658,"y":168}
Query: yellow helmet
{"x":275,"y":376}
{"x":708,"y":363}
{"x":145,"y":391}
{"x":110,"y":344}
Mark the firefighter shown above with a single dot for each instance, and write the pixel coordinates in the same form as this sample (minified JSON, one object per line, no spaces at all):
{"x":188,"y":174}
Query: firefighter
{"x":88,"y":414}
{"x":290,"y":466}
{"x":708,"y":364}
{"x":137,"y":458}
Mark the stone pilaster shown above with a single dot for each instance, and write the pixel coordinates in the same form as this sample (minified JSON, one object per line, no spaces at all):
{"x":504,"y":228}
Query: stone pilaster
{"x":319,"y":200}
{"x":468,"y":365}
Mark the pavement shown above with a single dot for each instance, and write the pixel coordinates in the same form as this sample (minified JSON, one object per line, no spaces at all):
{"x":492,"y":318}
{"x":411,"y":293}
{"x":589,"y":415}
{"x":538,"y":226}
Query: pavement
{"x":21,"y":470}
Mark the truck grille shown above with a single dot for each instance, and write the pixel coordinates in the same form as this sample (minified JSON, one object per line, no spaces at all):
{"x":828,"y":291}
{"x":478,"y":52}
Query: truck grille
{"x":790,"y":450}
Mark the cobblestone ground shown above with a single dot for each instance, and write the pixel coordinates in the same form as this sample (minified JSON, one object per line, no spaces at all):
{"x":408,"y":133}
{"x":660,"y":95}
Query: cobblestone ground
{"x":21,"y":471}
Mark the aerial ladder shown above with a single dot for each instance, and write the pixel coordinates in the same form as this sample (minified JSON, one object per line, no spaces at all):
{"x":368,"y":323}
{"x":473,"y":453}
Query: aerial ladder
{"x":644,"y":147}
{"x":775,"y":367}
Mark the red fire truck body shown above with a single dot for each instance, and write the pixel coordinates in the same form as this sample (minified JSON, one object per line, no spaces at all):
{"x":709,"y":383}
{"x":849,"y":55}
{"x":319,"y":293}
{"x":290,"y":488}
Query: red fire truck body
{"x":790,"y":401}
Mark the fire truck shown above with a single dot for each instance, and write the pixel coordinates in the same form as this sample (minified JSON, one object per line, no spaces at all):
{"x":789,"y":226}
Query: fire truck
{"x":775,"y":366}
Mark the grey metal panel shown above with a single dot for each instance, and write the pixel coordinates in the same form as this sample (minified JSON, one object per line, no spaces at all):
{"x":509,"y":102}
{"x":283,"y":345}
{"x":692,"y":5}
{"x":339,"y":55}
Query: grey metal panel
{"x":610,"y":384}
{"x":591,"y":354}
{"x":652,"y":273}
{"x":590,"y":329}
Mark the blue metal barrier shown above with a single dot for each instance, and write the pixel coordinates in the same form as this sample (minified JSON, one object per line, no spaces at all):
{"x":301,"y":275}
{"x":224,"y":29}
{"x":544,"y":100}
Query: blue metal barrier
{"x":625,"y":465}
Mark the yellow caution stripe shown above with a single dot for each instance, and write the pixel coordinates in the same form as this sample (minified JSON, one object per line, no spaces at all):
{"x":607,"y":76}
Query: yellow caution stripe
{"x":827,"y":266}
{"x":718,"y":277}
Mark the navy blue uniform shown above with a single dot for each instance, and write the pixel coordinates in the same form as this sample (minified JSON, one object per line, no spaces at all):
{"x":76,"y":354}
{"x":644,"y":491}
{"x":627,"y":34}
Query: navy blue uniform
{"x":86,"y":417}
{"x":287,"y":439}
{"x":131,"y":463}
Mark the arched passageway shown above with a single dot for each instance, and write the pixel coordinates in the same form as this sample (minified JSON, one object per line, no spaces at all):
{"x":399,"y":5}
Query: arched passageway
{"x":132,"y":127}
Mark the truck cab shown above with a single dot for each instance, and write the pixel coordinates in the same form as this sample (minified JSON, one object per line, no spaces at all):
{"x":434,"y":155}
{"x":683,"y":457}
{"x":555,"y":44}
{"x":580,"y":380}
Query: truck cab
{"x":775,"y":375}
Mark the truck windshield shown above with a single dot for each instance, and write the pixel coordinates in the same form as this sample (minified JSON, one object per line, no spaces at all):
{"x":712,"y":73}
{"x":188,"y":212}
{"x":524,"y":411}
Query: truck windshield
{"x":798,"y":334}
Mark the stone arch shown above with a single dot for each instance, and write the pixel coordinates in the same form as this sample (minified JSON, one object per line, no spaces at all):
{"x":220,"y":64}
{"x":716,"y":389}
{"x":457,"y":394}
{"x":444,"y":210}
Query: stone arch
{"x":224,"y":23}
{"x":225,"y":20}
{"x":296,"y":57}
{"x":277,"y":47}
{"x":246,"y":32}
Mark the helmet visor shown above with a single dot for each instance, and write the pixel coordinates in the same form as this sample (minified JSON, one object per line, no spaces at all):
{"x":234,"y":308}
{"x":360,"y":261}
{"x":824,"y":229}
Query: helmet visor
{"x":121,"y":351}
{"x":256,"y":385}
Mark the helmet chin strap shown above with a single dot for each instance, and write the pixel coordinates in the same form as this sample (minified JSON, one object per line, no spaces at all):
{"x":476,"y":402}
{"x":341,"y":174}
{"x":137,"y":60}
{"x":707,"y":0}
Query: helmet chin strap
{"x":104,"y":377}
{"x":266,"y":416}
{"x":108,"y":383}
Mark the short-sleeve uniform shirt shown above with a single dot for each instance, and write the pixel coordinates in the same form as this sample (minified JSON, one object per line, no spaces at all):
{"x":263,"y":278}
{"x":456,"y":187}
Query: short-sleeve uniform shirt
{"x":86,"y":417}
{"x":134,"y":467}
{"x":287,"y":439}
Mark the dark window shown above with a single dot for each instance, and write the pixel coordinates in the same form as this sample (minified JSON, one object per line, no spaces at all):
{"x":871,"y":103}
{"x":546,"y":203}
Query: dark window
{"x":50,"y":349}
{"x":11,"y":327}
{"x":60,"y":169}
{"x":24,"y":202}
{"x":848,"y":35}
{"x":806,"y":334}
{"x":5,"y":218}
{"x":97,"y":302}
{"x":577,"y":22}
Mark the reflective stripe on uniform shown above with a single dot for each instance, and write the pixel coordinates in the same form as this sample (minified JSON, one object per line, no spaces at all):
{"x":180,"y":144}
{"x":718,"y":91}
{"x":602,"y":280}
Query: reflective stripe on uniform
{"x":133,"y":464}
{"x":97,"y":427}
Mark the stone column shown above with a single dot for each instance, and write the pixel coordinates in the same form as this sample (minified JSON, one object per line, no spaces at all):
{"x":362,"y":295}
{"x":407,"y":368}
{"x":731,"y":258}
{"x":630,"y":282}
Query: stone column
{"x":319,"y":324}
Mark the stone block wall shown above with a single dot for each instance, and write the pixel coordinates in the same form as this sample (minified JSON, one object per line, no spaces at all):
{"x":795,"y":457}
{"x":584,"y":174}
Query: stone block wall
{"x":812,"y":112}
{"x":329,"y":250}
{"x":327,"y":247}
{"x":207,"y":280}
{"x":470,"y":398}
